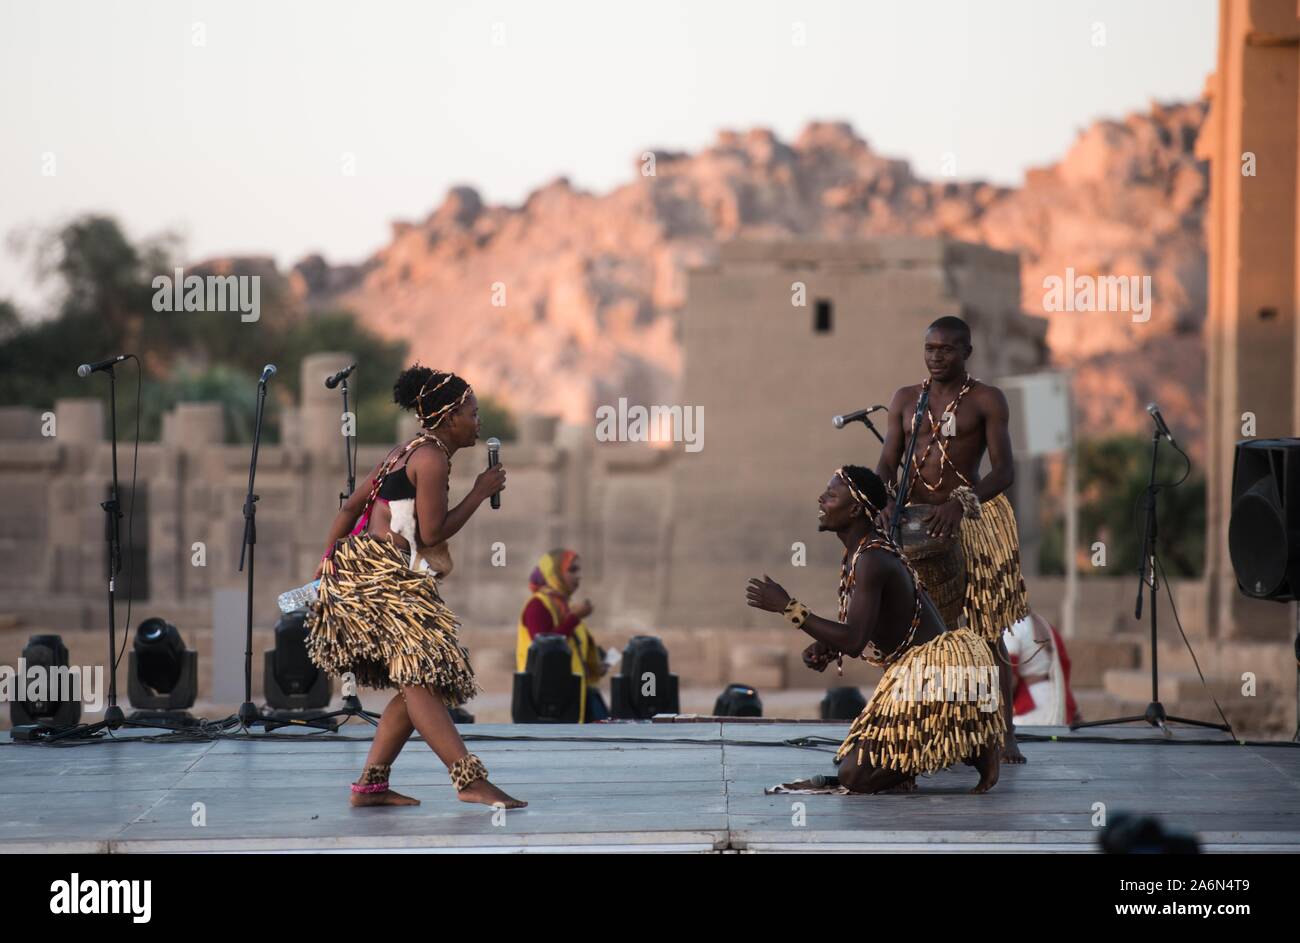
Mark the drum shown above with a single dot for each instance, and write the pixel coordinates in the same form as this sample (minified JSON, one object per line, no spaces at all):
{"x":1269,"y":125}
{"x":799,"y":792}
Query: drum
{"x":939,"y":562}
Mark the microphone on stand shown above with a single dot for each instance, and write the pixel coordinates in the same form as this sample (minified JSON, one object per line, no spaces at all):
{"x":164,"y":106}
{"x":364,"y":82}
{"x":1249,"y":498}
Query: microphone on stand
{"x":1163,"y":429}
{"x":858,"y":415}
{"x":494,"y":459}
{"x":86,"y":369}
{"x":267,"y":372}
{"x":336,"y":379}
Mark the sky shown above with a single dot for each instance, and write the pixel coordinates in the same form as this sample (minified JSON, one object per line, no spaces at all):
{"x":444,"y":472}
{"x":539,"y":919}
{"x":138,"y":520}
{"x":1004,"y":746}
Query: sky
{"x":270,"y":127}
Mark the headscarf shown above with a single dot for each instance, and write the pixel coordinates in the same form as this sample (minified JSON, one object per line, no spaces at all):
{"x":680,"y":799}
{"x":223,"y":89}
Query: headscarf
{"x":551,"y":575}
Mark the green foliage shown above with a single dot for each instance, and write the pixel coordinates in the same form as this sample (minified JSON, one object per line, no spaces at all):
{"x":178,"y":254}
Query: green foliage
{"x":1112,"y":484}
{"x":107,"y":307}
{"x":495,"y":420}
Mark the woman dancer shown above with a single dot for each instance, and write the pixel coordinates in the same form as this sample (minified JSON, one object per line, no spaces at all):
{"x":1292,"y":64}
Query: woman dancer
{"x":379,"y":614}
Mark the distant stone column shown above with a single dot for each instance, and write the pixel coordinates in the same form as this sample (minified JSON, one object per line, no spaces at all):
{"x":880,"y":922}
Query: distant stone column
{"x":79,"y":420}
{"x":537,"y":429}
{"x":1250,"y":139}
{"x":194,"y":426}
{"x":19,"y":422}
{"x":320,"y":412}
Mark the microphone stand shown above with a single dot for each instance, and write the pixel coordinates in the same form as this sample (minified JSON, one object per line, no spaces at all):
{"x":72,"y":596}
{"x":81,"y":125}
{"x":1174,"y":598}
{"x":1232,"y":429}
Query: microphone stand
{"x":1148,"y":578}
{"x":866,"y":421}
{"x":905,"y":485}
{"x":113,"y":715}
{"x":351,"y":702}
{"x":248,"y":713}
{"x":348,"y":450}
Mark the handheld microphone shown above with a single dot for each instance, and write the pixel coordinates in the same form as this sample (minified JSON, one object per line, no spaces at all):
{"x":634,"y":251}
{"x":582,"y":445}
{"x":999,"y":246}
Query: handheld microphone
{"x":856,"y":416}
{"x":1161,"y":427}
{"x":336,"y":379}
{"x":86,"y":369}
{"x":494,"y":459}
{"x":267,"y":372}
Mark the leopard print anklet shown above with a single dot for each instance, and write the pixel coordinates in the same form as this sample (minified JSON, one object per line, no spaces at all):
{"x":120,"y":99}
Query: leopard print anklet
{"x":466,"y":771}
{"x":374,"y":778}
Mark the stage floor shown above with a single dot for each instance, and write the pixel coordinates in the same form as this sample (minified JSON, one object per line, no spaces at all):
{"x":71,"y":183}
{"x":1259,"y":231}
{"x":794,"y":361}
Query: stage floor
{"x":628,"y":787}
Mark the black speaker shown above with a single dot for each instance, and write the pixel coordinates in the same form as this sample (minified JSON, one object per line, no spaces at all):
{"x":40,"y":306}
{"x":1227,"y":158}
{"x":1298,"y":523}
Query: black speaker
{"x":644,"y":669}
{"x":1264,"y":526}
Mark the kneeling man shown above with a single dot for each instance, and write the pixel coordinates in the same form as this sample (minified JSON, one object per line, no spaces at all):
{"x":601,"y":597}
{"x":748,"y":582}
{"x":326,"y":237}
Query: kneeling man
{"x":937,"y":703}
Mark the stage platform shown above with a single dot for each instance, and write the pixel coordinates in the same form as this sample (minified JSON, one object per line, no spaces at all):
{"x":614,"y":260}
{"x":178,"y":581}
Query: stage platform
{"x":679,"y":787}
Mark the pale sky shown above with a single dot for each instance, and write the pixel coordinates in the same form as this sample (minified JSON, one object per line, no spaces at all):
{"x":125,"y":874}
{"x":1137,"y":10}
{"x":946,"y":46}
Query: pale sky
{"x":230,"y":122}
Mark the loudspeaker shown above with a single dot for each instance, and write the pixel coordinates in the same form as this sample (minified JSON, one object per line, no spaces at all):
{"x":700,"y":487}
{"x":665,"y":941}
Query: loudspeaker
{"x":1264,"y":525}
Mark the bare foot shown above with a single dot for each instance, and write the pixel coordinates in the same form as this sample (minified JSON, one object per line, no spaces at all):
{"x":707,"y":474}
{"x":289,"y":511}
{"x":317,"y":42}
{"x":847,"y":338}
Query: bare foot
{"x":1011,"y":749}
{"x":362,"y":799}
{"x":987,"y":761}
{"x":484,"y":792}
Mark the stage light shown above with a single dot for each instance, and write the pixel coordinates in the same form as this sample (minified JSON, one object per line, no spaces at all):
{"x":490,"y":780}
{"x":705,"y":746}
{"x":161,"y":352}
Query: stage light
{"x":842,"y":704}
{"x":547,"y":691}
{"x":643,"y":687}
{"x":48,"y":654}
{"x":738,"y":700}
{"x":162,"y":675}
{"x":294,"y":686}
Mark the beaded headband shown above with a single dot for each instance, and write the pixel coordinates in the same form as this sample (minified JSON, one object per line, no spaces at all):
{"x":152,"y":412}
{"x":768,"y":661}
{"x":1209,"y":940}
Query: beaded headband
{"x":432,"y":420}
{"x":856,"y":494}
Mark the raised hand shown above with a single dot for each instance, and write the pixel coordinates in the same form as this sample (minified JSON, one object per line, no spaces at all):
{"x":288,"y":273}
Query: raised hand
{"x":766,"y":594}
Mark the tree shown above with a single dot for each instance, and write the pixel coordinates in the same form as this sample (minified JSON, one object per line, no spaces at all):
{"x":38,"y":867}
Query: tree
{"x":107,"y":307}
{"x":1112,"y":485}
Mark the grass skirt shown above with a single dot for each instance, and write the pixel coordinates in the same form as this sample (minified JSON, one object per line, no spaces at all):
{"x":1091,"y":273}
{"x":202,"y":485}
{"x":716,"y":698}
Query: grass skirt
{"x":936,"y":706}
{"x":386,"y":623}
{"x":996,"y":598}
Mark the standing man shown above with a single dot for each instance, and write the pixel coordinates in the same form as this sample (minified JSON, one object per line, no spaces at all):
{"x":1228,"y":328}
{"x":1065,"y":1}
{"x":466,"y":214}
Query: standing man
{"x":965,"y":418}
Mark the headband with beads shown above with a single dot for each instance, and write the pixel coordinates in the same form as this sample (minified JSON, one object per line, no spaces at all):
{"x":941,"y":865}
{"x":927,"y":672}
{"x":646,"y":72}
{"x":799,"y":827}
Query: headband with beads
{"x":856,"y":494}
{"x":432,"y":420}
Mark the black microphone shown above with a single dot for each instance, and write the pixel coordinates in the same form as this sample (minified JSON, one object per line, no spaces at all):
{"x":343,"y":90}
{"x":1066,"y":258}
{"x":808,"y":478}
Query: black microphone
{"x":86,"y":369}
{"x":331,"y":382}
{"x":494,"y":459}
{"x":856,"y":416}
{"x":1154,"y":410}
{"x":267,"y":372}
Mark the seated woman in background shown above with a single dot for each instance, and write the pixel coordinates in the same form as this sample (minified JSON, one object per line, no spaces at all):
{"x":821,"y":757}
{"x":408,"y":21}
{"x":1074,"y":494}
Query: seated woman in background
{"x":553,"y":581}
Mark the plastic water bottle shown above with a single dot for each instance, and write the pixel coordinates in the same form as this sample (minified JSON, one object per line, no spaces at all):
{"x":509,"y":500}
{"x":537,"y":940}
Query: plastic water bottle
{"x":298,"y":598}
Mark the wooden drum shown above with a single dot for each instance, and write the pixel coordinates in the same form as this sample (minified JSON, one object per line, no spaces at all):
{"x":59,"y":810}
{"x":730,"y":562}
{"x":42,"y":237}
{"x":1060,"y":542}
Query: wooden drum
{"x":939,"y":562}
